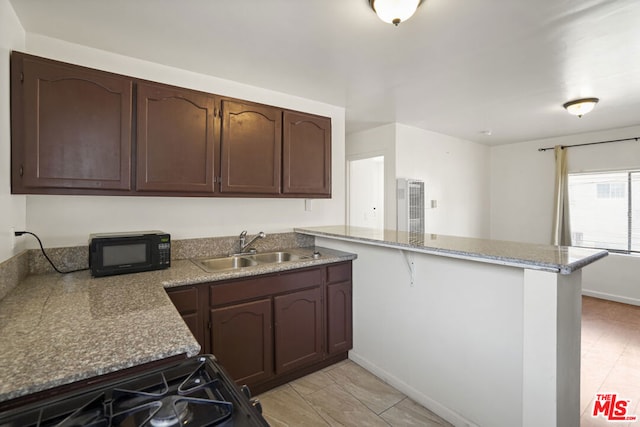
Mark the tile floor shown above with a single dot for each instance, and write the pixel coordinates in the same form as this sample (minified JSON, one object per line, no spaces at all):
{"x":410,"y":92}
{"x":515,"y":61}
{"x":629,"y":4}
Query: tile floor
{"x":347,"y":395}
{"x":610,"y":358}
{"x":343,"y":394}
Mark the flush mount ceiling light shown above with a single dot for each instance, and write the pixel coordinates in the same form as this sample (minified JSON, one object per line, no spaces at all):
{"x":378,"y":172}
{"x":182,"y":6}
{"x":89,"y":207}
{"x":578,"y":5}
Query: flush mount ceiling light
{"x":394,"y":11}
{"x":580,"y":107}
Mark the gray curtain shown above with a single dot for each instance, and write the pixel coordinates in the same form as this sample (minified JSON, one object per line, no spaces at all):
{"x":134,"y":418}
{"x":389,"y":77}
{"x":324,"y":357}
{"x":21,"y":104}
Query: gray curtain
{"x":561,"y":234}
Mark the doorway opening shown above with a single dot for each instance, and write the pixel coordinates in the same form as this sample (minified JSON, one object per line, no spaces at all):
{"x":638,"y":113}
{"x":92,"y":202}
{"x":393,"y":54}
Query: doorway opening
{"x":365,"y":202}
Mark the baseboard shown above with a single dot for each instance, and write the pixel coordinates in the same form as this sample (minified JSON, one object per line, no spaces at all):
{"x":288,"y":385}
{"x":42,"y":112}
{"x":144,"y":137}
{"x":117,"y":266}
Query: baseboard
{"x":611,"y":297}
{"x":424,"y":400}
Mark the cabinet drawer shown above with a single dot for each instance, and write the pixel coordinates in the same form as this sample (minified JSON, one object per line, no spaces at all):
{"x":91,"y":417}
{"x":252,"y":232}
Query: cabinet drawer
{"x":339,"y":272}
{"x":185,"y":299}
{"x":264,"y":286}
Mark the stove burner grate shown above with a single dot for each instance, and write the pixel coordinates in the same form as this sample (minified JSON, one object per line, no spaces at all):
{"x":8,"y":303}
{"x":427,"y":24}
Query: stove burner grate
{"x":173,"y":410}
{"x":188,"y":399}
{"x":90,"y":414}
{"x":196,"y":392}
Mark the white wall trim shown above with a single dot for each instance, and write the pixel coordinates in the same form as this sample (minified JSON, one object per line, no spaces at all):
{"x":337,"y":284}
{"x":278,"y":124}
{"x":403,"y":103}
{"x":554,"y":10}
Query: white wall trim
{"x":367,"y":155}
{"x":421,"y":398}
{"x":611,"y":297}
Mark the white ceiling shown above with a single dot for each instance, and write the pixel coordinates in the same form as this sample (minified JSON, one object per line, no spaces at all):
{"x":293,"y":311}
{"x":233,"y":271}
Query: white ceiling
{"x":458,"y":67}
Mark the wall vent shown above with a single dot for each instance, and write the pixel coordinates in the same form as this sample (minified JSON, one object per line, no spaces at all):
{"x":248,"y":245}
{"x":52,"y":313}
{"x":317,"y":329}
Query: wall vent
{"x":410,"y":210}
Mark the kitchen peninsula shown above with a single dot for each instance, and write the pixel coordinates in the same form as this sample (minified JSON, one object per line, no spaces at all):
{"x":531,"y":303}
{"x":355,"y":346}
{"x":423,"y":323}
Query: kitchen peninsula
{"x":59,"y":329}
{"x":481,"y":332}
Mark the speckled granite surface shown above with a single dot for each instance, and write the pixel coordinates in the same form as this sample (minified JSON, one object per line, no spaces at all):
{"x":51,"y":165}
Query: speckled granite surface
{"x":557,"y":259}
{"x":222,"y":246}
{"x":66,"y":259}
{"x":12,"y":272}
{"x":56,"y":329}
{"x":77,"y":257}
{"x":190,"y":273}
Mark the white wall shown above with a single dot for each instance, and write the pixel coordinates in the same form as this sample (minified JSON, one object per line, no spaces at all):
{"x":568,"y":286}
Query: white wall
{"x":68,"y":220}
{"x":456,"y":175}
{"x":521,"y":192}
{"x":12,"y":208}
{"x":450,"y":347}
{"x":455,"y":171}
{"x":522,"y":182}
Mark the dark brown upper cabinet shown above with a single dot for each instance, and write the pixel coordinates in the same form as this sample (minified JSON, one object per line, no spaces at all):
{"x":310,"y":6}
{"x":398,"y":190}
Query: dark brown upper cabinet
{"x":71,"y":127}
{"x":251,"y":144}
{"x":77,"y":130}
{"x":306,"y":156}
{"x":176,"y":148}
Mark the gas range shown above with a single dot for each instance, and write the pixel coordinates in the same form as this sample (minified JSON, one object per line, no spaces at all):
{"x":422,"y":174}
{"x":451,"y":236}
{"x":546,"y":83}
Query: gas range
{"x":194,"y":392}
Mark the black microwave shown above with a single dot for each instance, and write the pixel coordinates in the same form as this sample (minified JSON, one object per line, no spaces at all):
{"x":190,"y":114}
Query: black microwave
{"x":120,"y":253}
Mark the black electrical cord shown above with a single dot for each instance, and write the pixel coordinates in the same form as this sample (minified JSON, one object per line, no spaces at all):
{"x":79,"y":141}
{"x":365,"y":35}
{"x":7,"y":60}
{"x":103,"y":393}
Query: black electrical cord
{"x":20,"y":233}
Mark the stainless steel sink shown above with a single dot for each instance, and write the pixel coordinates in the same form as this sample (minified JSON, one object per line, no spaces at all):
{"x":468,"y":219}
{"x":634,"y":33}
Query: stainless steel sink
{"x":242,"y":261}
{"x":227,"y":263}
{"x":274,"y":257}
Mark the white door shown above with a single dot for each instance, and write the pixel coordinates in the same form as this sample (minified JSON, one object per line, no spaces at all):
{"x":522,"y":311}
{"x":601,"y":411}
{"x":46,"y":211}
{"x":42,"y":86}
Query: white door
{"x":366,"y":192}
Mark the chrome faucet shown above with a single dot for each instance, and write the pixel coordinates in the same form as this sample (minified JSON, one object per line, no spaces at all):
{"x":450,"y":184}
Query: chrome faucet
{"x":243,"y":238}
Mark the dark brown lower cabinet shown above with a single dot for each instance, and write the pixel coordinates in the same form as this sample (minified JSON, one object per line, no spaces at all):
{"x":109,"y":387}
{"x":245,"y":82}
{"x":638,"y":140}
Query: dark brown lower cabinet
{"x":187,"y":300}
{"x":339,"y":303}
{"x":270,"y":329}
{"x":299,"y":332}
{"x":242,"y":338}
{"x":339,"y":329}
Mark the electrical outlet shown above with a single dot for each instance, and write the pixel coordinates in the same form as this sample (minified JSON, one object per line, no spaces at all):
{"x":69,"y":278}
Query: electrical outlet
{"x":12,"y":236}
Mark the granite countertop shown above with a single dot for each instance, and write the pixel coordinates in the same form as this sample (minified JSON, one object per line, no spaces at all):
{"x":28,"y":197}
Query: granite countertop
{"x":556,"y":259}
{"x":57,"y":329}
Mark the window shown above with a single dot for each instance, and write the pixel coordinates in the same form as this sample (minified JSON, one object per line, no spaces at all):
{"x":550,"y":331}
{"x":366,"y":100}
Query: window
{"x":611,"y":190}
{"x":604,"y":210}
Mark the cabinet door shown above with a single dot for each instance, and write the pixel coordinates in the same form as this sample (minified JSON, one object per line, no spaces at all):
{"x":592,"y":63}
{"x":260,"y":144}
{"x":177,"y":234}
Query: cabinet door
{"x":187,"y":301}
{"x":176,"y":150}
{"x":339,"y":320}
{"x":306,"y":154}
{"x":241,"y":338}
{"x":251,"y":141}
{"x":298,"y":329}
{"x":72,"y":126}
